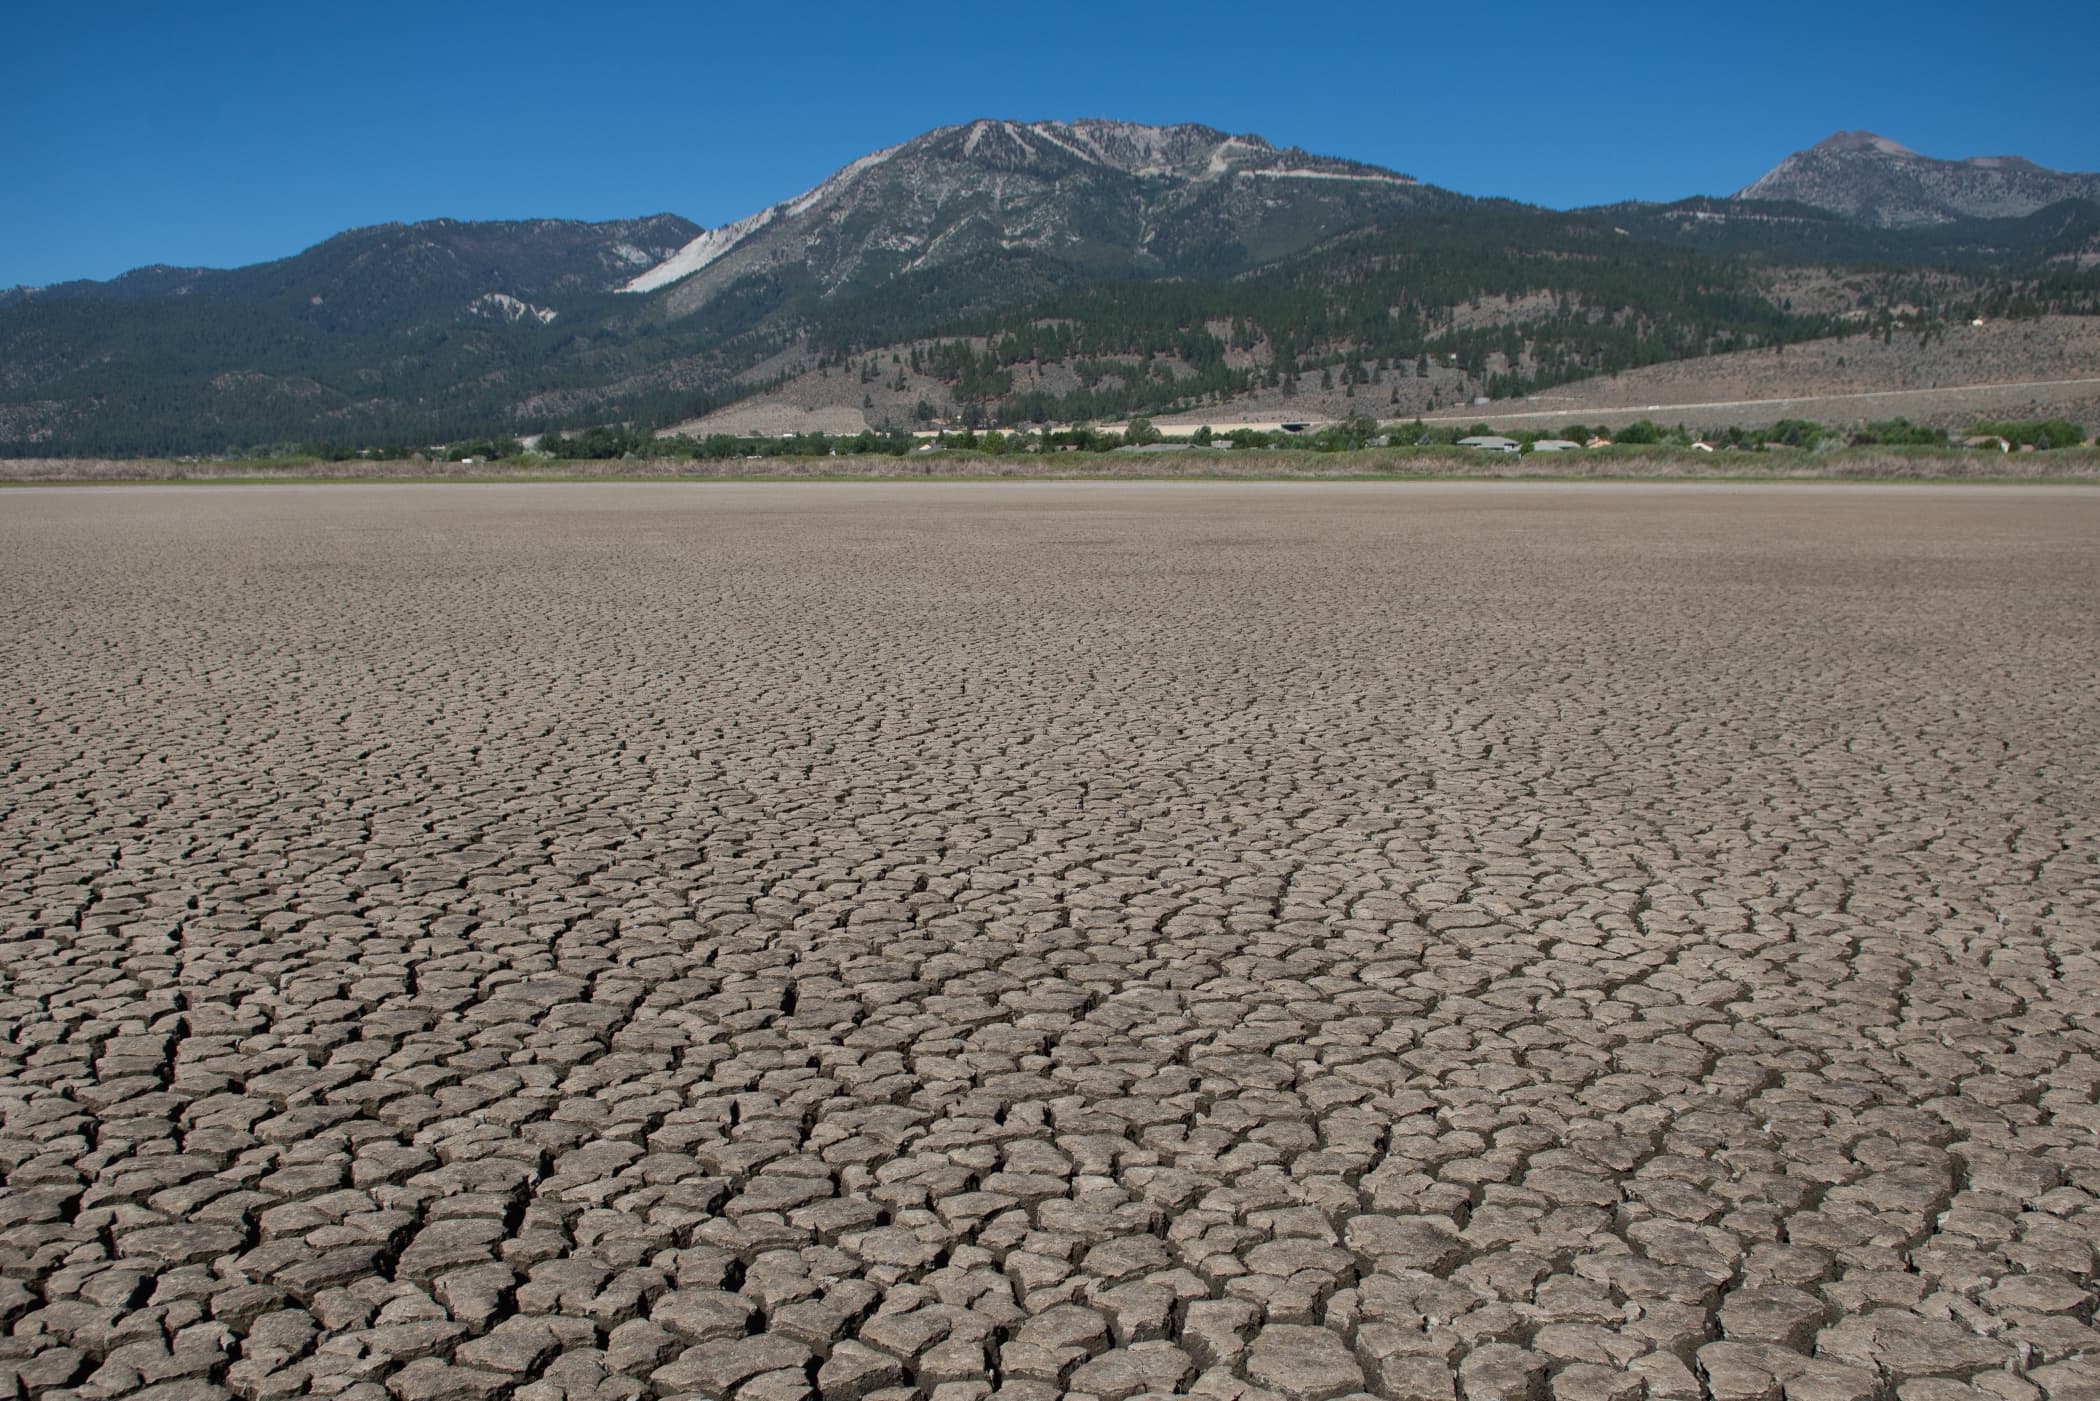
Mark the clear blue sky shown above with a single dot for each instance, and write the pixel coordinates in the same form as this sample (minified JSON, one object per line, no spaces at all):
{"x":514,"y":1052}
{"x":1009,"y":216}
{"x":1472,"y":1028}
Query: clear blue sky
{"x":227,"y":133}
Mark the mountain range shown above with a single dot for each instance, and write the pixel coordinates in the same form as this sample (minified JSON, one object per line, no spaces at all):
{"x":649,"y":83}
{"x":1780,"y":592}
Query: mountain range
{"x":998,"y":268}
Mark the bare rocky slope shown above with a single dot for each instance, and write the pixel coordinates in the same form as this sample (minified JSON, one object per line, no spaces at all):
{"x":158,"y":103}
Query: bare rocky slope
{"x":2020,"y":370}
{"x":1116,"y":197}
{"x":2043,"y":368}
{"x":2048,"y":368}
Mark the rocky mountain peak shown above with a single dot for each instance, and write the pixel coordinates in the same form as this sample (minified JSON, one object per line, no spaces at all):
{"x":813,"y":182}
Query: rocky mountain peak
{"x":1095,"y":193}
{"x":1873,"y":180}
{"x":1861,"y":141}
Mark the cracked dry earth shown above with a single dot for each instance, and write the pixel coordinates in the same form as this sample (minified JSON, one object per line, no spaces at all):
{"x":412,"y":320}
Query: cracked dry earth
{"x":1031,"y":940}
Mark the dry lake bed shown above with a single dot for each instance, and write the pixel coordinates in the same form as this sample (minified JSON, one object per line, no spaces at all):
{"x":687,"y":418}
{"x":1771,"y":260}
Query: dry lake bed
{"x":624,"y":941}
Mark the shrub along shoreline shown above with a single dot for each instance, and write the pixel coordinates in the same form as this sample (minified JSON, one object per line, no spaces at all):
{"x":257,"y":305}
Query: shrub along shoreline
{"x":1792,"y":449}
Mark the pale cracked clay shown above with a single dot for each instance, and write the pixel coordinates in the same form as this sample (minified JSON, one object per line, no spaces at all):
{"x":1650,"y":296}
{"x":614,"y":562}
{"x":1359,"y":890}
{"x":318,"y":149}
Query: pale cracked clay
{"x":886,"y":942}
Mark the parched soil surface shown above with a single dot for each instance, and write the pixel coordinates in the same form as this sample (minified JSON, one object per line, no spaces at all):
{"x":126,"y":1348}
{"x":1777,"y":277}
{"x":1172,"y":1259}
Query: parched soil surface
{"x":1095,"y":940}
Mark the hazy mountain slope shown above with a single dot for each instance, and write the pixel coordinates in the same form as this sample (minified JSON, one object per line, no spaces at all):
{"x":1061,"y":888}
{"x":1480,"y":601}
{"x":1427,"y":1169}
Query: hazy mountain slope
{"x":371,"y":292}
{"x":1873,"y":180}
{"x":388,"y":273}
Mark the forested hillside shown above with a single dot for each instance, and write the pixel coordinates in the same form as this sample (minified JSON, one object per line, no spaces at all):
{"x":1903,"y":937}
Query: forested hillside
{"x":1514,"y":299}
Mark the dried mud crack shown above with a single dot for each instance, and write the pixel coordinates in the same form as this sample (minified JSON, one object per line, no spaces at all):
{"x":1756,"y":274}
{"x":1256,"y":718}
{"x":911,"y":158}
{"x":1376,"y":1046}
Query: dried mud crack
{"x":588,"y":943}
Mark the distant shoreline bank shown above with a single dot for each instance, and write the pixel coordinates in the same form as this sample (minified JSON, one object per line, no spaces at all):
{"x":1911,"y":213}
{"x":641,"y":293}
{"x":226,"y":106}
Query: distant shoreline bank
{"x":1865,"y":465}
